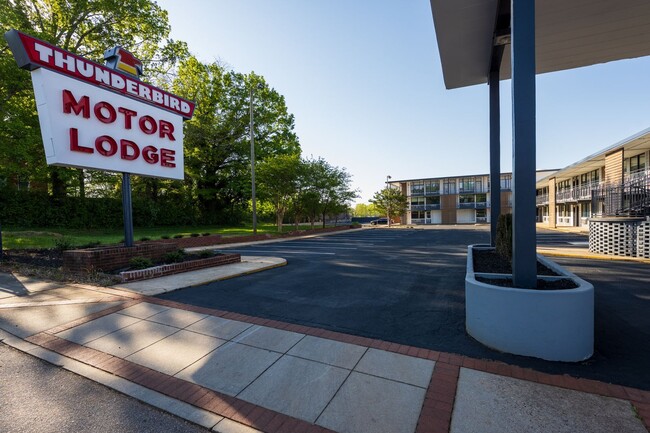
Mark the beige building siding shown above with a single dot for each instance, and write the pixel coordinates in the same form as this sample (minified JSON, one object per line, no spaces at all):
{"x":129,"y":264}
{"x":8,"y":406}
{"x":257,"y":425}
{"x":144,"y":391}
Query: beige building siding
{"x":552,"y":220}
{"x":614,"y":166}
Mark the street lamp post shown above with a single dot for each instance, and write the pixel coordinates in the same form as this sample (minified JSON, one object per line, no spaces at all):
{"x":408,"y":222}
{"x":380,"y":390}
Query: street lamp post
{"x":252,"y":137}
{"x":388,"y":201}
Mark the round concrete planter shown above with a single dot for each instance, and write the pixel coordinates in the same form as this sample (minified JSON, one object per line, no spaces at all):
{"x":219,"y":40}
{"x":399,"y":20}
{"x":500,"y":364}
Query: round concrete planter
{"x":556,"y":325}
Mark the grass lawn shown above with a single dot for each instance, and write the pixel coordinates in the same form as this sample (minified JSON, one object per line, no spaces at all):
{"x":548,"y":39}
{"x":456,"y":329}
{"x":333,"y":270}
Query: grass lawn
{"x":49,"y":237}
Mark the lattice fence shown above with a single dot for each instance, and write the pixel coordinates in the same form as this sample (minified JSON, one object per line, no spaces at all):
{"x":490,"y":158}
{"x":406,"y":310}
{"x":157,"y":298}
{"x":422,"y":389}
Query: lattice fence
{"x":613,"y":238}
{"x":643,"y":240}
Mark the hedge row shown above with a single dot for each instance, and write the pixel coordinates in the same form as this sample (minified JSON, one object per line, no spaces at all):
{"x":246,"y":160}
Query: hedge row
{"x":36,"y":209}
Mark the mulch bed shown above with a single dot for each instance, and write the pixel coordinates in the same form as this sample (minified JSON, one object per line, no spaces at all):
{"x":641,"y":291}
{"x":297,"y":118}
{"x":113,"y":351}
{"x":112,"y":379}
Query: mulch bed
{"x":489,"y":262}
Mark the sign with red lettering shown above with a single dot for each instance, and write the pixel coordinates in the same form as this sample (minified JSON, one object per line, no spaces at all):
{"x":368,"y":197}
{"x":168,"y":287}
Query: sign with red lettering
{"x":95,"y":117}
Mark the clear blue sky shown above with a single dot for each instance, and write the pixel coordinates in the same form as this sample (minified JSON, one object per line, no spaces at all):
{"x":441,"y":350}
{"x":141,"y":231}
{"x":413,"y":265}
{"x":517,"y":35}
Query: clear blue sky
{"x":364,"y":81}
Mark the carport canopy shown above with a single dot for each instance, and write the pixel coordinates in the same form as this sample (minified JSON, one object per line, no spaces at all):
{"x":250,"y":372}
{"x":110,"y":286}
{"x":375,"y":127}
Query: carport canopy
{"x":569,"y":34}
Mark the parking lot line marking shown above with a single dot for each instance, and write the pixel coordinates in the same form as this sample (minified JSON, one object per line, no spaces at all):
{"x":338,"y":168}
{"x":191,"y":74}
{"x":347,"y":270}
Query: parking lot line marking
{"x":291,"y":244}
{"x":282,"y":251}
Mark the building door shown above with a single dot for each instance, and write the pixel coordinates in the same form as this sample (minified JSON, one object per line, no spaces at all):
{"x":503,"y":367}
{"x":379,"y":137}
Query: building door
{"x":575,"y":213}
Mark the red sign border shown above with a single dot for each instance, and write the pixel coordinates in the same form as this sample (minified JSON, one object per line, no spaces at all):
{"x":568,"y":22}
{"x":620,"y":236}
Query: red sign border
{"x":23,"y":48}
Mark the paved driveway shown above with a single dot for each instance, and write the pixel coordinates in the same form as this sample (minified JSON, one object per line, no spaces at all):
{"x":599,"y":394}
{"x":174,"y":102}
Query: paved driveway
{"x":407,"y":286}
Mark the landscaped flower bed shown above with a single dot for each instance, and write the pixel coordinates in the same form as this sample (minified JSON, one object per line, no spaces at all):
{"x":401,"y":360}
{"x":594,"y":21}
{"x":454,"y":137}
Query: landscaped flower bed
{"x":176,"y":268}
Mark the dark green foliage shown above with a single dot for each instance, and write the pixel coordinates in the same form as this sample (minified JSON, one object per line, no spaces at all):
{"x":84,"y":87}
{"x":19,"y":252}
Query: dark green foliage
{"x":175,"y":256}
{"x":195,"y":235}
{"x":206,"y":234}
{"x":140,"y":263}
{"x":206,"y":254}
{"x":63,"y":244}
{"x":144,"y":239}
{"x":38,"y":209}
{"x":178,"y":236}
{"x":504,"y":236}
{"x":164,"y":237}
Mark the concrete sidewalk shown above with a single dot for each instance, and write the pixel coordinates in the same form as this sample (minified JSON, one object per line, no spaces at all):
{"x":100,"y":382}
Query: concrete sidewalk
{"x":236,"y":373}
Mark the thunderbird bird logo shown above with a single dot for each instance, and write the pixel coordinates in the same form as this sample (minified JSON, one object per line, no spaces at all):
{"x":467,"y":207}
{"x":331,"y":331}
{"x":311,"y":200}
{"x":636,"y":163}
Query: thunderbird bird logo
{"x":121,"y":60}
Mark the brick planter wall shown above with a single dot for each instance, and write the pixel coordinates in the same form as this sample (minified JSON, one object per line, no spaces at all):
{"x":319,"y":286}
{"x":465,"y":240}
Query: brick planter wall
{"x":116,"y":257}
{"x":176,"y":268}
{"x":112,"y":258}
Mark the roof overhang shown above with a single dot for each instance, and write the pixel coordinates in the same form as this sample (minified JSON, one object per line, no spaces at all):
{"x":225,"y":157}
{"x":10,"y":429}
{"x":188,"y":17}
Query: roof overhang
{"x":631,"y":146}
{"x":569,"y":34}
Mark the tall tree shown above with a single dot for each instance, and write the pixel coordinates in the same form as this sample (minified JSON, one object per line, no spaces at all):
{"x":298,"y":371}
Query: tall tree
{"x":217,"y":139}
{"x":278,"y":183}
{"x":329,"y":189}
{"x":390,"y":202}
{"x":84,"y":27}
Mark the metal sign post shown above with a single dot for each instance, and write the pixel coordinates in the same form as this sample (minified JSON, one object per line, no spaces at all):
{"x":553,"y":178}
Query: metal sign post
{"x":127,"y":209}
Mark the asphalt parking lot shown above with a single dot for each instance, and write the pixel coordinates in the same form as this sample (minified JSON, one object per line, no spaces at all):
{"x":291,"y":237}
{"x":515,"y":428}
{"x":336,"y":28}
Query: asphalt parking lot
{"x":407,"y":286}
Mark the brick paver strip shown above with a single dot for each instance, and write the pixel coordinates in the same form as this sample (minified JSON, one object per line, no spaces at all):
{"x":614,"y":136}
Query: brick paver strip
{"x":436,"y":408}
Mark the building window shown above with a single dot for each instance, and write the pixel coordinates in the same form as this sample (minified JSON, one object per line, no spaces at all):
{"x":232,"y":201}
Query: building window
{"x":417,"y":201}
{"x":432,"y":187}
{"x":417,"y":188}
{"x":481,"y":213}
{"x":450,"y":186}
{"x":506,"y":181}
{"x":481,"y":198}
{"x":466,"y":184}
{"x":466,"y":198}
{"x":637,"y":163}
{"x":416,"y":215}
{"x":433,"y":200}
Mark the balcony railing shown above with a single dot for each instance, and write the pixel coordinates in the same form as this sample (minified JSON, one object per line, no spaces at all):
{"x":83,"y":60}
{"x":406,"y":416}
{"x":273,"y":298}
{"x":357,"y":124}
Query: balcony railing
{"x":479,"y":205}
{"x":541,"y":199}
{"x":582,"y":192}
{"x":425,"y":207}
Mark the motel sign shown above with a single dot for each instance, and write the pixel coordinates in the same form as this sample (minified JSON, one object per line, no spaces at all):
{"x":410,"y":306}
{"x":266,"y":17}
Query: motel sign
{"x":104,"y":118}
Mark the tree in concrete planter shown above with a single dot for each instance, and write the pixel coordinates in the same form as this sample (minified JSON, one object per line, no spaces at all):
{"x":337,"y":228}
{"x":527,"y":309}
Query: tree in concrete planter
{"x":504,"y":236}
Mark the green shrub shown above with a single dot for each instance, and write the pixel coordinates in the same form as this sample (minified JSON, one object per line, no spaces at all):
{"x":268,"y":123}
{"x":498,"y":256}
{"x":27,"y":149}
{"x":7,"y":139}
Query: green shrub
{"x":140,"y":263}
{"x":178,"y":236}
{"x":63,"y":244}
{"x":195,"y":235}
{"x":504,"y":236}
{"x":206,"y":234}
{"x":204,"y":254}
{"x":164,"y":237}
{"x":144,"y":239}
{"x":175,"y":256}
{"x":91,"y":244}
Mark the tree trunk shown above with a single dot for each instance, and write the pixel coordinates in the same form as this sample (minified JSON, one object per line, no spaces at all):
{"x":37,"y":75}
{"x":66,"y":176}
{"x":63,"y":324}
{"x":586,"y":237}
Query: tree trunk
{"x":58,"y":184}
{"x":82,"y":182}
{"x":279,"y":218}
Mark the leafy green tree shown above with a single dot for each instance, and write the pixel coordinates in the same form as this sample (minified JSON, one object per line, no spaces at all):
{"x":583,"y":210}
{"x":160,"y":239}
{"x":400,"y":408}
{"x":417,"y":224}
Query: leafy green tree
{"x":217,"y":138}
{"x":84,"y":27}
{"x":390,"y":202}
{"x":328,"y":189}
{"x":364,"y":210}
{"x":278,"y":177}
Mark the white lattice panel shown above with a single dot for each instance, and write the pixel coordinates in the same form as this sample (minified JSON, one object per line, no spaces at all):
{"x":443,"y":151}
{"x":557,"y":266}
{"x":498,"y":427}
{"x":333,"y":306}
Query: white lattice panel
{"x":613,"y":238}
{"x":643,"y":240}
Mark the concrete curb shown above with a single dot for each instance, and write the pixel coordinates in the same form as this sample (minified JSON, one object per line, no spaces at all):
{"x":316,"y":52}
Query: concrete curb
{"x":270,"y":241}
{"x":590,"y":256}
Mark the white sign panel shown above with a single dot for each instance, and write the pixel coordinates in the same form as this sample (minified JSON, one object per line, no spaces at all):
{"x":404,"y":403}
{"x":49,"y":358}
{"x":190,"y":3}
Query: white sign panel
{"x":85,"y":126}
{"x":97,"y":117}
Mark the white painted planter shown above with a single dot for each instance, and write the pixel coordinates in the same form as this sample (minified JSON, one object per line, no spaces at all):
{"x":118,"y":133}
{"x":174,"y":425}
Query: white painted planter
{"x":556,"y":325}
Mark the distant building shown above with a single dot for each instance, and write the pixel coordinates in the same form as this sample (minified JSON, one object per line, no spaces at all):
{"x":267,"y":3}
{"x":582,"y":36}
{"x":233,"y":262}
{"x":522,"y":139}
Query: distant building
{"x":456,"y":199}
{"x":614,"y":182}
